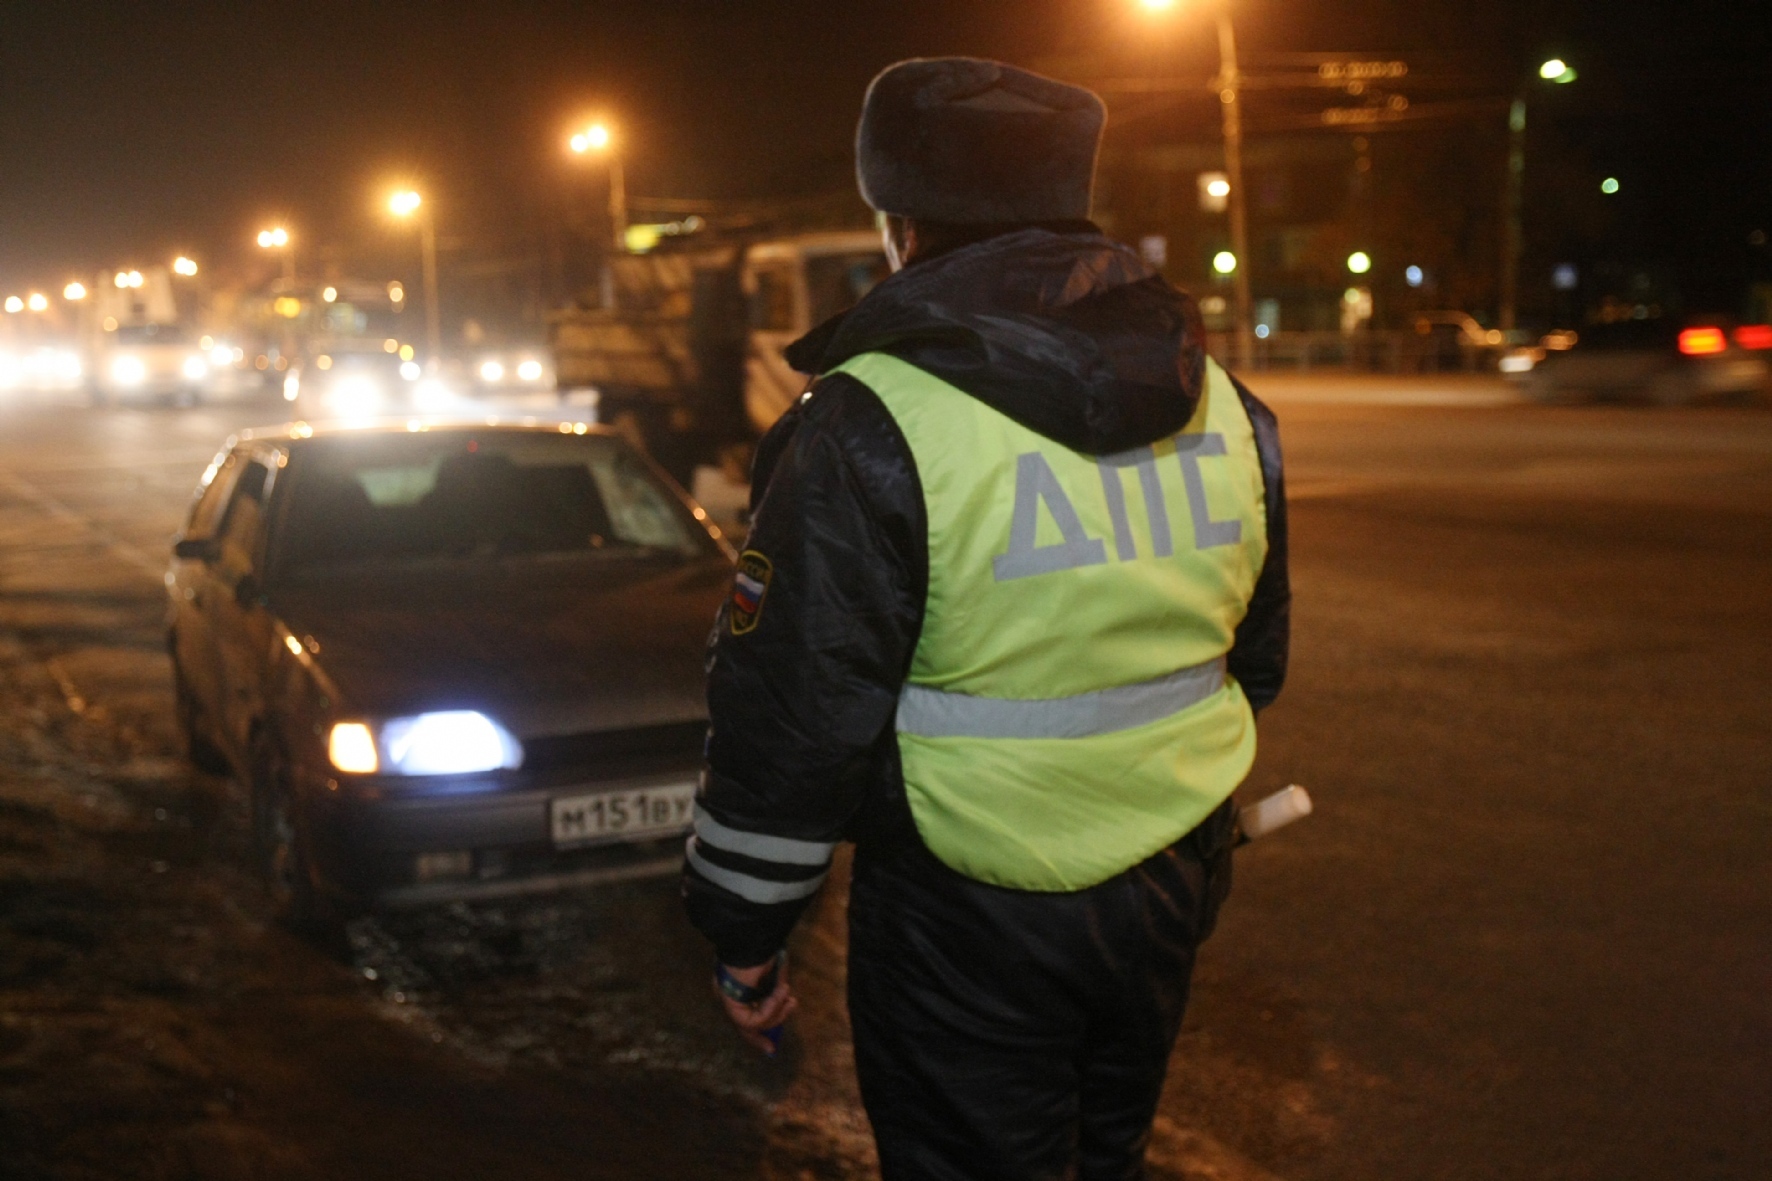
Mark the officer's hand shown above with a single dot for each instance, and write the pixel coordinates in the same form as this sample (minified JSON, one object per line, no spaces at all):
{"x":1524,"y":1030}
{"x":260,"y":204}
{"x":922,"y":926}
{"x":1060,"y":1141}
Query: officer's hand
{"x":771,"y":1012}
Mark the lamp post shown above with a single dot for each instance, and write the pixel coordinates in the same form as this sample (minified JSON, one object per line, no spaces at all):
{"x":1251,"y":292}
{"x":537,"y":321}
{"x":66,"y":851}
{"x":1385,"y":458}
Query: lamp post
{"x":1228,"y":86}
{"x":277,"y":238}
{"x":1513,"y":193}
{"x":408,"y":204}
{"x":598,"y":140}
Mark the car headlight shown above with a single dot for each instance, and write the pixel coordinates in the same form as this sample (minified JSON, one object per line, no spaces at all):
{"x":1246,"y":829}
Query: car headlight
{"x":195,"y":369}
{"x":447,"y":742}
{"x":410,"y":370}
{"x":355,"y":394}
{"x":128,"y":371}
{"x":529,"y":371}
{"x":432,"y":395}
{"x":291,"y":388}
{"x":492,"y":372}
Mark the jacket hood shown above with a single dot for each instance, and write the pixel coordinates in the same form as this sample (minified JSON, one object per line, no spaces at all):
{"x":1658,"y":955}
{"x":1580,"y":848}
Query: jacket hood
{"x":1070,"y":334}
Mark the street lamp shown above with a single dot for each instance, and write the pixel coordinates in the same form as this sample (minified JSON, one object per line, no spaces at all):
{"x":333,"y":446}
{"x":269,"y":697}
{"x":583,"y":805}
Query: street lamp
{"x":598,"y":140}
{"x":184,"y":266}
{"x":74,"y":292}
{"x":277,"y":238}
{"x":408,"y":204}
{"x":1558,"y":71}
{"x":38,"y":302}
{"x":1228,"y":86}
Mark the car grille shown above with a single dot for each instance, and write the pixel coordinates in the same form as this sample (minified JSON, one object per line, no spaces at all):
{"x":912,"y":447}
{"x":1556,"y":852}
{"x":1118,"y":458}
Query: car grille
{"x":615,"y":753}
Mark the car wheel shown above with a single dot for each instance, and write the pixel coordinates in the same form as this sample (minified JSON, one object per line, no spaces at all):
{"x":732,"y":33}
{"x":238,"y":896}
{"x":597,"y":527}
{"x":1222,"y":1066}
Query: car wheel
{"x":281,"y":843}
{"x":203,"y":753}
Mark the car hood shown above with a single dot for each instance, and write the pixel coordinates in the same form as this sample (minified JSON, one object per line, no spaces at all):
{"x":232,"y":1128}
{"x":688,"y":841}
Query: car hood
{"x":546,"y":647}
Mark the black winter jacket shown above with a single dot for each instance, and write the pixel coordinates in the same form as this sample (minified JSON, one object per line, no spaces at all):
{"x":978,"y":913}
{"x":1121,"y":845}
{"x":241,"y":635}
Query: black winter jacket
{"x":1073,"y":336}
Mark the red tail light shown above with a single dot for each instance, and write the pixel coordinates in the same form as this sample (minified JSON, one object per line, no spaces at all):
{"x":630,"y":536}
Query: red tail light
{"x":1754,"y":336}
{"x":1701,"y":342}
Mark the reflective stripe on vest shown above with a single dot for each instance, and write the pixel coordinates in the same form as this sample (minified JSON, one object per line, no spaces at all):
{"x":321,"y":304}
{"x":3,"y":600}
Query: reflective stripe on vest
{"x":930,"y":713}
{"x":1067,"y":712}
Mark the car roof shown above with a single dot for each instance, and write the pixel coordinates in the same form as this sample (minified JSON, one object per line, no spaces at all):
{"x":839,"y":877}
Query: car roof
{"x":419,"y":424}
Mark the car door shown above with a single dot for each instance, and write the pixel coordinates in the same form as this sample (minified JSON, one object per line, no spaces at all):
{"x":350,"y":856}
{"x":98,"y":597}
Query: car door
{"x":193,"y":629}
{"x":243,"y":627}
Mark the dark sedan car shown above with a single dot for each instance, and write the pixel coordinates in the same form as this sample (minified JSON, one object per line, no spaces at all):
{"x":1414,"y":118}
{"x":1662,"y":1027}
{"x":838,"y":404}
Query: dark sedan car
{"x":448,"y":659}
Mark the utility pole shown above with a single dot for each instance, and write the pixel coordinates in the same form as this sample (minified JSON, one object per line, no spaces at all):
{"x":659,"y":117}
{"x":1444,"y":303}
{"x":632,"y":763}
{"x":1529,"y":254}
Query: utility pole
{"x":1229,"y":83}
{"x":427,"y":237}
{"x":1512,"y":198}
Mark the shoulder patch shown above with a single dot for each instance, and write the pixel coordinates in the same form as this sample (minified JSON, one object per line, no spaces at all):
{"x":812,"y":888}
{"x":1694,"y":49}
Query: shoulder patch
{"x":749,"y":586}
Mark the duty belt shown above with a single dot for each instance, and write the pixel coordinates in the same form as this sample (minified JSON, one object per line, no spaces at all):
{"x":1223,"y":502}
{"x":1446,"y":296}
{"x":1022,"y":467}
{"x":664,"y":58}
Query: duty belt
{"x":935,"y":713}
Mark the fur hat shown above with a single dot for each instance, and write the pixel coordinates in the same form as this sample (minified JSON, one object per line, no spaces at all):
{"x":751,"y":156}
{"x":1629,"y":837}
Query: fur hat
{"x":959,"y":139}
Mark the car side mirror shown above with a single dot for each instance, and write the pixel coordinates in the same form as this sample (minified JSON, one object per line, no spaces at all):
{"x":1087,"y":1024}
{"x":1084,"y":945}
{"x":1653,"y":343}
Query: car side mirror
{"x":247,"y":591}
{"x":196,"y":549}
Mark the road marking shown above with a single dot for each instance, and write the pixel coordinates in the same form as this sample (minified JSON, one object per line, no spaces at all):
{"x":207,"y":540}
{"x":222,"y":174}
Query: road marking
{"x":122,"y":550}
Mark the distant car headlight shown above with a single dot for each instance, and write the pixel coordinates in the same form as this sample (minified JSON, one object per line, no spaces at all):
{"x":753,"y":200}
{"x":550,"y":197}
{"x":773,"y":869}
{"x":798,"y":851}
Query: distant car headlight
{"x":529,"y":371}
{"x":128,"y":371}
{"x":354,"y":394}
{"x":433,"y":395}
{"x":291,"y":387}
{"x":221,"y":354}
{"x":492,"y":372}
{"x":448,"y":742}
{"x":195,"y":369}
{"x":410,"y":370}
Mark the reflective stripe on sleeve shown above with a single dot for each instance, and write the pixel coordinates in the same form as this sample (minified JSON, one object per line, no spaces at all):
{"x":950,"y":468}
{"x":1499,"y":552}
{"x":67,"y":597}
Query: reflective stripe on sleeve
{"x":931,"y":713}
{"x":751,"y":888}
{"x":785,"y":850}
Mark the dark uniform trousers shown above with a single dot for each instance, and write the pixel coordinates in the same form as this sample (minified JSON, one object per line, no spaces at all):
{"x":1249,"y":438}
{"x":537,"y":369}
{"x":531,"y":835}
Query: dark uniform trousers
{"x":1002,"y":1035}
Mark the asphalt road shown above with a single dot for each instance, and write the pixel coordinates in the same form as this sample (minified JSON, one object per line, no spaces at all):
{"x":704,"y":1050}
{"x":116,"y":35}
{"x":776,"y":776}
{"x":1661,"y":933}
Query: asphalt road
{"x":1528,"y":932}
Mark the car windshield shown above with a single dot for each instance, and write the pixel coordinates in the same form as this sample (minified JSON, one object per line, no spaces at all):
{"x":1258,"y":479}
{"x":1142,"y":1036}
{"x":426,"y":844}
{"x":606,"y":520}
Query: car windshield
{"x":375,"y":499}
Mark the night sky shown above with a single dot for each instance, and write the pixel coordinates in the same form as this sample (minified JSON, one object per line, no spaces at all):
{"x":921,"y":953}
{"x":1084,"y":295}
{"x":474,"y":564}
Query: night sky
{"x":128,"y":131}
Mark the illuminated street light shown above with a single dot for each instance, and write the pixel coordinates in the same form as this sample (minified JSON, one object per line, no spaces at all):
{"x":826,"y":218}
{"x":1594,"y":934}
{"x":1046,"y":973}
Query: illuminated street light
{"x":1609,"y":185}
{"x":74,"y":292}
{"x":1513,"y":193}
{"x":600,"y":140}
{"x":1224,"y":262}
{"x":330,"y":294}
{"x":37,"y":302}
{"x":1359,"y":262}
{"x":184,"y":266}
{"x":14,"y":305}
{"x":1228,"y":86}
{"x":595,"y":138}
{"x":1556,"y":70}
{"x":406,"y":203}
{"x":277,"y":238}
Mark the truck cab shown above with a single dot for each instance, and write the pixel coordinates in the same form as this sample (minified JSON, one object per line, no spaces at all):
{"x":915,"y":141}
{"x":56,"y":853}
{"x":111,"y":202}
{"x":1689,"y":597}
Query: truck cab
{"x":686,"y":350}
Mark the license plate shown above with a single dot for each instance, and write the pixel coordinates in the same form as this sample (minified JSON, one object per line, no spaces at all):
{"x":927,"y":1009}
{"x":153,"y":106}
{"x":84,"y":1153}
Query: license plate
{"x":625,"y":814}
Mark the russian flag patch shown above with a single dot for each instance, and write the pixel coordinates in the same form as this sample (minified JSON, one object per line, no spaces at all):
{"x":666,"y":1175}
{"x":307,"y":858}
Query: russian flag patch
{"x":749,"y":586}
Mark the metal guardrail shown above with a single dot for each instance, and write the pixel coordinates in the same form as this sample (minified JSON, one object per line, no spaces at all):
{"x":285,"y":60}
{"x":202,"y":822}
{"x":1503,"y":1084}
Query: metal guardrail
{"x":1363,"y":352}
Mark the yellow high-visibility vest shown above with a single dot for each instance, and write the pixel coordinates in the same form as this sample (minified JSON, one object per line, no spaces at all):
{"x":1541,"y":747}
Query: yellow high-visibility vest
{"x":1068,"y":712}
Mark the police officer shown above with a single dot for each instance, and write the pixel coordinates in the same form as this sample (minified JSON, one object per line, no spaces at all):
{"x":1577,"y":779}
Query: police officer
{"x":1015,"y":586}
